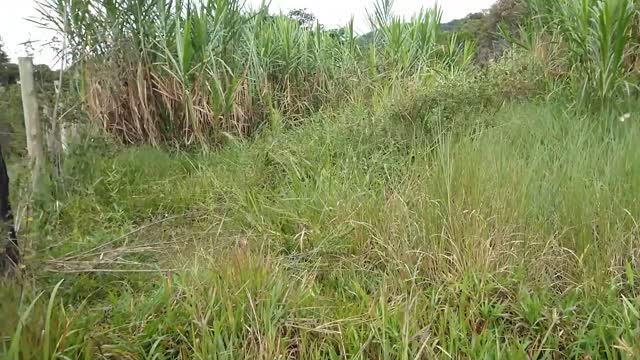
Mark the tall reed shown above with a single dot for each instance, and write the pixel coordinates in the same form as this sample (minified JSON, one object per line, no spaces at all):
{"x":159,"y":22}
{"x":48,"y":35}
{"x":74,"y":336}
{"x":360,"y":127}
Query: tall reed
{"x":597,"y":36}
{"x":186,"y":71}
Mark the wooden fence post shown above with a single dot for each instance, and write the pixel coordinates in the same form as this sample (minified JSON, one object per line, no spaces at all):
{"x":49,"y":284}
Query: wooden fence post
{"x":32,"y":122}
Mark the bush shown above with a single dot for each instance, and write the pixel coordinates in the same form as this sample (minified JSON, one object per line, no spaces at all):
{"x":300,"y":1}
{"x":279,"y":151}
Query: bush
{"x":455,"y":99}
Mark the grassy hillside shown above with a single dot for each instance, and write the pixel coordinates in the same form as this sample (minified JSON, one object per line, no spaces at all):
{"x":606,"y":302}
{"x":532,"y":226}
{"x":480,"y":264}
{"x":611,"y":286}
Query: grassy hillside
{"x":360,"y":234}
{"x":405,"y":204}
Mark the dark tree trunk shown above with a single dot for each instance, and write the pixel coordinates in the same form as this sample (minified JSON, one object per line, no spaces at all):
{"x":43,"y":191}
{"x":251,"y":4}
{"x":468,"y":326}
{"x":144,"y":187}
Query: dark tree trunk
{"x":9,"y":252}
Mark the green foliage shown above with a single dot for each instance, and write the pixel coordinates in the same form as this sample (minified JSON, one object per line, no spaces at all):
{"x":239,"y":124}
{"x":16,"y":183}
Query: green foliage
{"x":198,"y":72}
{"x":403,"y":47}
{"x":305,"y":19}
{"x":455,"y":99}
{"x":596,"y":39}
{"x":4,"y":58}
{"x":483,"y":28}
{"x":12,"y":133}
{"x":465,"y":227}
{"x":8,"y":71}
{"x":398,"y":203}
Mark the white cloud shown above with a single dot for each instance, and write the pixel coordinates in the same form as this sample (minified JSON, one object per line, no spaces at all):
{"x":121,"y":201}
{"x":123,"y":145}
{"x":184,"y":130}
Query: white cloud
{"x":15,"y":29}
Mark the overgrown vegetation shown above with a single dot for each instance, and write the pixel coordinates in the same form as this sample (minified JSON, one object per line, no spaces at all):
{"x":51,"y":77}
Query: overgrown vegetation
{"x":12,"y":132}
{"x":381,"y":199}
{"x":600,"y":45}
{"x":188,"y":72}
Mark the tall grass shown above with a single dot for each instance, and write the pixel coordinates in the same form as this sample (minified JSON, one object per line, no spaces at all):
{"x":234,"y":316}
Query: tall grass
{"x":441,"y":211}
{"x":192,"y":71}
{"x":359,"y":235}
{"x":189,"y":71}
{"x":405,"y":46}
{"x":599,"y":42}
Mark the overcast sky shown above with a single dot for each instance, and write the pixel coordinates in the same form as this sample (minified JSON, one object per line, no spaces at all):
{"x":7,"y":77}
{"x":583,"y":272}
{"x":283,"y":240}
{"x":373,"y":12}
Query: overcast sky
{"x":15,"y":29}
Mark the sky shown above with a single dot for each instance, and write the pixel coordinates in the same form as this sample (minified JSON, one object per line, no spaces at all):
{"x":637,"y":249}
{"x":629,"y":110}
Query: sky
{"x":16,"y":29}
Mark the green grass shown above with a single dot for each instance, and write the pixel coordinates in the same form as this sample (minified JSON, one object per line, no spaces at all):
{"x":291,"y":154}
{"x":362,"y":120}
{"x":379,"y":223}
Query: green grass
{"x":392,"y":229}
{"x":595,"y":45}
{"x":387,"y":200}
{"x":195,"y":71}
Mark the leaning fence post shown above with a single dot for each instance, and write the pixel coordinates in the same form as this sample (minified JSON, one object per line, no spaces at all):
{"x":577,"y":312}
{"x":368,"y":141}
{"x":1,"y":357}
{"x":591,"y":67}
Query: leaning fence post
{"x":32,"y":122}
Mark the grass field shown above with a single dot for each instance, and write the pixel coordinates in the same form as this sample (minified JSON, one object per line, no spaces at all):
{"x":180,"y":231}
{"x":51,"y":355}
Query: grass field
{"x":261,"y":190}
{"x":357,"y":235}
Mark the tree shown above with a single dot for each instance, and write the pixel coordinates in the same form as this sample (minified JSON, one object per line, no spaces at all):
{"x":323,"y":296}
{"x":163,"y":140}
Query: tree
{"x":8,"y":72}
{"x":305,"y":18}
{"x":4,"y":58}
{"x":338,"y":34}
{"x":484,"y":27}
{"x":9,"y":252}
